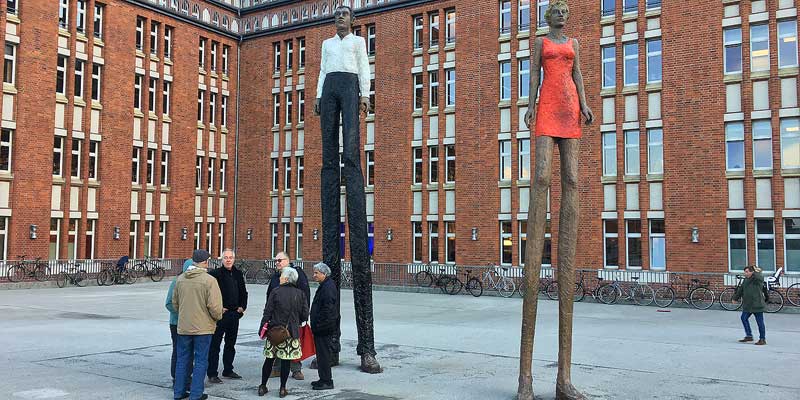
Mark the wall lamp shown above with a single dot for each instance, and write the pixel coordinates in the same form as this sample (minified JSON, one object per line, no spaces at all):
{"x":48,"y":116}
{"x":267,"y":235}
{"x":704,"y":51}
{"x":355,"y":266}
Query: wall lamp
{"x":116,"y":233}
{"x":389,"y":234}
{"x":474,"y":233}
{"x":33,"y":234}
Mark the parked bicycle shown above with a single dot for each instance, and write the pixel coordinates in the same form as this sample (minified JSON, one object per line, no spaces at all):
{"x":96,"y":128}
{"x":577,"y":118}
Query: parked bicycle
{"x":74,"y":275}
{"x":36,"y":269}
{"x":793,"y":294}
{"x":698,"y":295}
{"x":522,"y":287}
{"x":150,"y":268}
{"x":637,"y":292}
{"x":447,"y":283}
{"x":112,"y":274}
{"x":473,"y":286}
{"x":773,"y":298}
{"x":551,"y":290}
{"x":499,"y":281}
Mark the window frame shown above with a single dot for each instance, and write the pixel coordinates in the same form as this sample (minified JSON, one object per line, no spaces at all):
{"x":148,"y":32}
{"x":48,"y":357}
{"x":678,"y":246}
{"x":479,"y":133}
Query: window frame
{"x":7,"y":146}
{"x":524,"y":159}
{"x":632,"y":150}
{"x":505,"y":80}
{"x":737,"y":236}
{"x":504,"y":147}
{"x":633,"y":71}
{"x":450,"y":163}
{"x":433,"y":241}
{"x":58,"y":151}
{"x":763,"y":135}
{"x":136,"y":161}
{"x":731,"y":44}
{"x":653,"y":147}
{"x":506,"y":252}
{"x":75,"y":158}
{"x":651,"y":56}
{"x":756,"y":30}
{"x":164,"y":173}
{"x":609,"y":143}
{"x":729,"y":139}
{"x":137,"y":92}
{"x":653,"y":238}
{"x":10,"y":59}
{"x":450,"y":87}
{"x":632,"y":235}
{"x":780,"y":37}
{"x":79,"y":78}
{"x":607,"y":235}
{"x":433,"y":89}
{"x":524,"y":78}
{"x":609,"y":65}
{"x":433,"y":26}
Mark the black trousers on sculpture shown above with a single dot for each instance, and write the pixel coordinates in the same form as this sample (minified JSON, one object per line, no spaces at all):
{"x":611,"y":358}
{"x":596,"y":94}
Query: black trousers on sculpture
{"x":340,"y":99}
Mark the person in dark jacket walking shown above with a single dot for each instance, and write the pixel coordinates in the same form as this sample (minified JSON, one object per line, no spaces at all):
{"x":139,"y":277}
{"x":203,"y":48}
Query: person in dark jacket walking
{"x":173,"y":320}
{"x":750,"y":291}
{"x":324,"y":318}
{"x":234,"y":302}
{"x":281,"y":262}
{"x":286,"y":306}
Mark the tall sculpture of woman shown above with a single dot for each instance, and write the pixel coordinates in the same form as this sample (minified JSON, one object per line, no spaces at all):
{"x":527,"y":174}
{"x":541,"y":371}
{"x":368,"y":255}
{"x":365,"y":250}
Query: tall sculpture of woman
{"x":558,"y":121}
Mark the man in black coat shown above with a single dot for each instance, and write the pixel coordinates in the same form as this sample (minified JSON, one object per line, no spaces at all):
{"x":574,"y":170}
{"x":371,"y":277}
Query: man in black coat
{"x":324,"y":321}
{"x":234,"y":302}
{"x":281,"y":262}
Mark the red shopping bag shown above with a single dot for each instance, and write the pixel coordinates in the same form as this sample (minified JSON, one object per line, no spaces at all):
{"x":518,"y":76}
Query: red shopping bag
{"x":307,"y":346}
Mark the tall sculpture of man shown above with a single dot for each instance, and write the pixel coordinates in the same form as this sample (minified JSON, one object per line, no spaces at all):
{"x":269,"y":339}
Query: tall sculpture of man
{"x":342,"y":89}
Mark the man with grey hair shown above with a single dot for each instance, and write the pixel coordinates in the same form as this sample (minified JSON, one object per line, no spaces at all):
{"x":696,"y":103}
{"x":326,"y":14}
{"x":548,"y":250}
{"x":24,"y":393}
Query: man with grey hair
{"x":234,"y":302}
{"x":324,"y":317}
{"x":282,"y":262}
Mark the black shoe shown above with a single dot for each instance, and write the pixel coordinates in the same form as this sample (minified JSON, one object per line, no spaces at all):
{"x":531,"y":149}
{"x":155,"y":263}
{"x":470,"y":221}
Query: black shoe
{"x":262,"y":390}
{"x":214,"y":379}
{"x":203,"y":397}
{"x":323,"y":386}
{"x":183,"y":396}
{"x":232,"y":375}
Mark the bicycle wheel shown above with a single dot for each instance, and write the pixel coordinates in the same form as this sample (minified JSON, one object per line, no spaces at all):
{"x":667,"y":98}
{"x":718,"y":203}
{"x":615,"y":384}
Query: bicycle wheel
{"x":521,"y":288}
{"x":126,"y":277}
{"x":16,"y":273}
{"x":474,"y":287}
{"x":102,"y":278}
{"x":793,"y":294}
{"x":552,"y":290}
{"x":453,"y":286}
{"x":157,"y":274}
{"x":81,"y":277}
{"x":774,"y":301}
{"x":61,"y":279}
{"x":579,"y":292}
{"x":664,"y":296}
{"x":643,"y":295}
{"x":701,"y":298}
{"x":506,"y":287}
{"x":726,"y":300}
{"x":138,"y":271}
{"x":423,"y":278}
{"x":262,"y":277}
{"x":608,"y":294}
{"x":41,"y":272}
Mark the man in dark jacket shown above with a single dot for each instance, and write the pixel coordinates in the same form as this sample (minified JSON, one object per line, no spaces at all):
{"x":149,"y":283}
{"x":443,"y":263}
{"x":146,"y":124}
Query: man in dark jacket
{"x":234,"y":302}
{"x":281,"y":262}
{"x":324,"y":317}
{"x":750,"y":291}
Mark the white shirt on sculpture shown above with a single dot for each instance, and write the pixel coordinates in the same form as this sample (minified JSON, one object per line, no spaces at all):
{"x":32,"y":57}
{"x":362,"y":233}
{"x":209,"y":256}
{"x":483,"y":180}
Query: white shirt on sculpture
{"x":348,"y":54}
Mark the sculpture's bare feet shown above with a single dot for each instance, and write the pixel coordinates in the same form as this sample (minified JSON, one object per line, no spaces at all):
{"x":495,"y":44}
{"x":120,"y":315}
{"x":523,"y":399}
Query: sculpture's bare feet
{"x":568,"y":392}
{"x":525,"y":390}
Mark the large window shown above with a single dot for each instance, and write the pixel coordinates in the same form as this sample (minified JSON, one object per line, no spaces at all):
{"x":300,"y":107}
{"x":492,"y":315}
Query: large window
{"x":153,"y":38}
{"x":276,"y":109}
{"x":524,"y":77}
{"x":11,"y":8}
{"x":197,"y":227}
{"x":371,"y":40}
{"x":151,"y":95}
{"x":631,"y":65}
{"x":733,"y":50}
{"x":201,"y":94}
{"x":433,"y":164}
{"x":223,"y":175}
{"x":276,"y":59}
{"x":450,"y":75}
{"x":289,"y":46}
{"x":287,"y":173}
{"x":505,"y":17}
{"x":136,"y":157}
{"x":416,"y":227}
{"x":450,"y":242}
{"x":289,"y":106}
{"x":505,"y":160}
{"x":298,"y":247}
{"x":209,"y":229}
{"x":787,"y":43}
{"x":164,"y":175}
{"x":165,"y":97}
{"x":162,"y":239}
{"x":737,"y":244}
{"x":167,"y":41}
{"x":505,"y":80}
{"x":609,"y":66}
{"x":211,"y":171}
{"x":654,"y":61}
{"x":212,"y":109}
{"x":611,"y":243}
{"x":137,"y":92}
{"x":10,"y":64}
{"x":139,"y":33}
{"x":370,"y":172}
{"x":762,"y":144}
{"x":759,"y":47}
{"x":734,"y":139}
{"x":301,"y":53}
{"x":91,"y":228}
{"x":151,"y":167}
{"x":524,"y":16}
{"x":94,"y":159}
{"x":58,"y":156}
{"x":201,"y":53}
{"x":450,"y":26}
{"x":433,"y":82}
{"x":632,"y":153}
{"x":55,"y":238}
{"x":658,"y":245}
{"x":417,"y":165}
{"x":630,"y":6}
{"x":287,"y":237}
{"x":524,"y":158}
{"x":301,"y":172}
{"x":790,"y":143}
{"x":75,"y":164}
{"x":791,"y":244}
{"x":523,"y":241}
{"x":99,"y":9}
{"x":133,"y":239}
{"x":80,"y":16}
{"x":608,"y":7}
{"x":418,"y":33}
{"x":433,"y":242}
{"x":61,"y":75}
{"x":79,"y":65}
{"x":275,"y":174}
{"x":6,"y":145}
{"x":198,"y":173}
{"x":433,"y":18}
{"x":505,"y":242}
{"x":72,"y":238}
{"x":148,"y":238}
{"x":655,"y":151}
{"x":765,"y":244}
{"x":609,"y":154}
{"x":450,"y":164}
{"x":301,"y":106}
{"x":63,"y":19}
{"x":542,"y":6}
{"x":633,"y":235}
{"x":418,"y":96}
{"x":97,"y":75}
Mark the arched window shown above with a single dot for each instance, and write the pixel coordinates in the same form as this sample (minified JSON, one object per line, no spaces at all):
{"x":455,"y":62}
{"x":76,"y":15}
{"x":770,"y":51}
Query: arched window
{"x":196,"y":11}
{"x":313,"y":11}
{"x":215,"y":19}
{"x":246,"y":26}
{"x":174,"y":4}
{"x":284,"y":18}
{"x":225,"y":22}
{"x":294,"y":16}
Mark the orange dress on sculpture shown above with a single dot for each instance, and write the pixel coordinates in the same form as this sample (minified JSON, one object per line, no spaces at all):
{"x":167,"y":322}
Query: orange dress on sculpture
{"x":559,"y":113}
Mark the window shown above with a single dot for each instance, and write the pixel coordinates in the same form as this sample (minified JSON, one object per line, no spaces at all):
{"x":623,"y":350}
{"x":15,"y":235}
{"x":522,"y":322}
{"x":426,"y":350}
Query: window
{"x":450,"y":164}
{"x":209,"y":229}
{"x":11,"y":8}
{"x":72,"y":238}
{"x":505,"y":17}
{"x":505,"y":160}
{"x":58,"y":155}
{"x":417,"y":32}
{"x":287,"y":237}
{"x":197,"y":227}
{"x":298,"y":248}
{"x":164,"y":168}
{"x":212,"y":109}
{"x":301,"y":53}
{"x":450,"y":26}
{"x":211,"y":171}
{"x":94,"y":159}
{"x":609,"y":66}
{"x":737,"y":244}
{"x":633,"y":234}
{"x":654,"y":61}
{"x":417,"y":165}
{"x":631,"y":72}
{"x":301,"y":172}
{"x":608,"y":7}
{"x":790,"y":143}
{"x":6,"y":136}
{"x":658,"y":245}
{"x":55,"y":238}
{"x":433,"y":164}
{"x":547,"y":251}
{"x":734,"y":140}
{"x":524,"y":16}
{"x":137,"y":92}
{"x":165,"y":97}
{"x":80,"y":16}
{"x":416,"y":227}
{"x":97,"y":70}
{"x":433,"y":81}
{"x":505,"y":242}
{"x":10,"y":64}
{"x":167,"y":41}
{"x":630,"y":6}
{"x":371,"y":238}
{"x":153,"y":38}
{"x":135,"y":157}
{"x":275,"y":174}
{"x":762,"y":144}
{"x":433,"y":242}
{"x":289,"y":106}
{"x":433,"y":18}
{"x":75,"y":164}
{"x":276,"y":109}
{"x":609,"y":154}
{"x":273,"y":228}
{"x":524,"y":158}
{"x":223,"y":168}
{"x":201,"y":94}
{"x":148,"y":238}
{"x":79,"y":78}
{"x":632,"y":153}
{"x":61,"y":75}
{"x":162,"y":239}
{"x":198,"y":173}
{"x":89,"y":239}
{"x":276,"y":50}
{"x":133,"y":239}
{"x":139,"y":33}
{"x":63,"y":20}
{"x":418,"y":91}
{"x":289,"y":54}
{"x":370,"y":156}
{"x":301,"y":106}
{"x":523,"y":241}
{"x":214,"y":47}
{"x":524,"y":77}
{"x":733,"y":50}
{"x":201,"y":55}
{"x":287,"y":173}
{"x":541,"y":8}
{"x":791,"y":244}
{"x":759,"y":47}
{"x":450,"y":75}
{"x":151,"y":95}
{"x":765,"y":244}
{"x":655,"y":151}
{"x":611,"y":243}
{"x":505,"y":80}
{"x":787,"y":43}
{"x":151,"y":167}
{"x":371,"y":40}
{"x":224,"y":110}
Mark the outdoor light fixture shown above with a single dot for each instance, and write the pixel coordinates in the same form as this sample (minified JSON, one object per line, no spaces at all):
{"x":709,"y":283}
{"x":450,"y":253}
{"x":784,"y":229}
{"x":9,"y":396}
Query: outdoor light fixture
{"x":695,"y":234}
{"x":184,"y":233}
{"x":389,"y":234}
{"x":249,"y":233}
{"x":116,"y":233}
{"x":34,"y":228}
{"x":316,"y":234}
{"x":474,"y":233}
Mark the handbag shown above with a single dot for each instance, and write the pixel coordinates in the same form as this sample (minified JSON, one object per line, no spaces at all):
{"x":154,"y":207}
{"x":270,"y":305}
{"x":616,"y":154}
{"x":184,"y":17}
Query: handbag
{"x":277,"y":334}
{"x":307,"y":346}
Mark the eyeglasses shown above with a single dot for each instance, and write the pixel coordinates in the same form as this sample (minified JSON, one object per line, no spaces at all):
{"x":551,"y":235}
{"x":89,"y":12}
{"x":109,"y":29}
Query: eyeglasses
{"x":281,"y":259}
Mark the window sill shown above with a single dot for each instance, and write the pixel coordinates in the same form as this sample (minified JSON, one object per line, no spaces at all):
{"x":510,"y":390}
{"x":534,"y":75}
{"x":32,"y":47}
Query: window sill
{"x":736,"y":77}
{"x":154,"y":57}
{"x":523,"y":182}
{"x":63,"y":32}
{"x":630,"y":16}
{"x":77,"y":101}
{"x":735,"y":174}
{"x":214,"y":73}
{"x":608,"y":19}
{"x":223,"y":194}
{"x":9,"y":88}
{"x":631,"y":179}
{"x":417,"y":52}
{"x":370,"y":118}
{"x":655,"y":177}
{"x":652,"y":12}
{"x":608,"y":179}
{"x":136,"y":186}
{"x":301,"y":71}
{"x":762,"y":173}
{"x":450,"y":46}
{"x":150,"y":188}
{"x":504,"y":37}
{"x":433,"y":111}
{"x":198,"y":191}
{"x":790,"y":71}
{"x":449,"y":185}
{"x":200,"y":125}
{"x":167,"y":61}
{"x":301,"y":125}
{"x":504,"y":183}
{"x":611,"y":91}
{"x":653,"y":87}
{"x":504,"y":104}
{"x":417,"y":187}
{"x":759,"y":74}
{"x":6,"y":176}
{"x":793,"y":172}
{"x":165,"y":189}
{"x":60,"y":98}
{"x":450,"y":109}
{"x":371,"y":59}
{"x":542,"y":31}
{"x":139,"y":53}
{"x":96,"y":105}
{"x":299,"y":192}
{"x":523,"y":34}
{"x":416,"y":113}
{"x":138,"y":113}
{"x":276,"y":128}
{"x":201,"y":70}
{"x":433,"y":49}
{"x":630,"y":89}
{"x":99,"y":42}
{"x":432,"y":186}
{"x":13,"y":18}
{"x":276,"y":74}
{"x":93,"y":183}
{"x":58,"y":180}
{"x":152,"y":115}
{"x":524,"y":101}
{"x":166,"y":118}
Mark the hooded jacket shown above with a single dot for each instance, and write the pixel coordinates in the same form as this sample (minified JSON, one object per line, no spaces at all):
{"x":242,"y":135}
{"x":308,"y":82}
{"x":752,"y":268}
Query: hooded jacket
{"x":173,"y":313}
{"x":198,"y":301}
{"x":751,"y":293}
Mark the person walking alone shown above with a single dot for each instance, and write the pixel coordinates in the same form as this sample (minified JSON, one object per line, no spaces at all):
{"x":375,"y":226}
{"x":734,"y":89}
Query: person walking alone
{"x":752,"y":296}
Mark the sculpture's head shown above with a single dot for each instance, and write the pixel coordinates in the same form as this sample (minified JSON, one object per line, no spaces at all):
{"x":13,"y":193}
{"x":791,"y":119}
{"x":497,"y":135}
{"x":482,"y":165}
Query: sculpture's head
{"x":344,"y":18}
{"x":557,"y":13}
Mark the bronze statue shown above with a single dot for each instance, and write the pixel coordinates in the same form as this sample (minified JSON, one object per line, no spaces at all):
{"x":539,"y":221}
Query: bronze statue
{"x":558,"y":119}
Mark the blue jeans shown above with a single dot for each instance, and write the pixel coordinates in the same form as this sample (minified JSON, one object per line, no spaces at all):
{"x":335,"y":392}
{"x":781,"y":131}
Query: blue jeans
{"x":762,"y":331}
{"x":188,"y":344}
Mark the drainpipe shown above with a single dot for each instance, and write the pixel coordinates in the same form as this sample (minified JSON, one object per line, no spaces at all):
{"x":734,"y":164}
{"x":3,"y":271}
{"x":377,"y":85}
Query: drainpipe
{"x":236,"y":153}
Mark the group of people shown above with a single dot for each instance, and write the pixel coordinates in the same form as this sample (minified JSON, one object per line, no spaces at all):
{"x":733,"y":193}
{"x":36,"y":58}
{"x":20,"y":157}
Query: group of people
{"x":205,"y":308}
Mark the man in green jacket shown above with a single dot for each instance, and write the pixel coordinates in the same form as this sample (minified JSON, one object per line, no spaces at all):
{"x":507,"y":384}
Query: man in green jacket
{"x":750,"y":291}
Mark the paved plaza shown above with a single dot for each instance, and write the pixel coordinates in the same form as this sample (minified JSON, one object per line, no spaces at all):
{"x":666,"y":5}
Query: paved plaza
{"x":113,"y":343}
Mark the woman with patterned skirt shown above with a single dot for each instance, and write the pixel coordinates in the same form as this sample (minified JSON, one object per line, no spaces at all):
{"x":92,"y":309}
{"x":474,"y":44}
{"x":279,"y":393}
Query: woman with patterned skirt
{"x":286,"y":306}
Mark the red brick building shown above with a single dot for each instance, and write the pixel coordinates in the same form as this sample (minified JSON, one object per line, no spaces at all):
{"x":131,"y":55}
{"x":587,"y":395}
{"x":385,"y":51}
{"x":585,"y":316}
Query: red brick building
{"x":693,"y":165}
